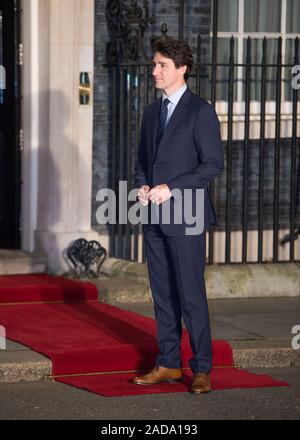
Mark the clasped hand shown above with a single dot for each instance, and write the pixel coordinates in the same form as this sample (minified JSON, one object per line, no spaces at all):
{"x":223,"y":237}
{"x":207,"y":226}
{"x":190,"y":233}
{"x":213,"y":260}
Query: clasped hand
{"x":158,"y":194}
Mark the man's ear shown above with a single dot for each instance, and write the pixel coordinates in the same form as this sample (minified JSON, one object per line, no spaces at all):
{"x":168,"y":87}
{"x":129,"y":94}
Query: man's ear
{"x":182,"y":70}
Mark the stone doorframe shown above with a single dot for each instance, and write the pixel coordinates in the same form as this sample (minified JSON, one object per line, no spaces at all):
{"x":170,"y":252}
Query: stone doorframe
{"x":58,"y":40}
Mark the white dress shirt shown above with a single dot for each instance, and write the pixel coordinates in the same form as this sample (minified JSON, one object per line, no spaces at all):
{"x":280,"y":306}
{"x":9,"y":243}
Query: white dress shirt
{"x":174,"y":99}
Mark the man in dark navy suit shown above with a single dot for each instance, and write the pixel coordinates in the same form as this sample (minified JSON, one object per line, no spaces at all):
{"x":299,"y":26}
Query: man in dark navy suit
{"x":180,"y":152}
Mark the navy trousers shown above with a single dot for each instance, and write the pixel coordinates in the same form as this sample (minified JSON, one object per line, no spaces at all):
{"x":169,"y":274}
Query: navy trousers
{"x":176,"y":272}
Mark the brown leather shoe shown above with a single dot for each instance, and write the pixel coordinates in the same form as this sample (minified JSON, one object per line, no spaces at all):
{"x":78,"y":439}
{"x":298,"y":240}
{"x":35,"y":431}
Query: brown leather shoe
{"x":201,"y":383}
{"x":159,"y":374}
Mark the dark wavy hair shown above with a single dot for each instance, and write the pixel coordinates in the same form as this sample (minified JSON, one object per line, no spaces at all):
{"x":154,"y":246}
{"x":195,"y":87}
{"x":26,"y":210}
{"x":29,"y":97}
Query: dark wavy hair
{"x":177,"y":50}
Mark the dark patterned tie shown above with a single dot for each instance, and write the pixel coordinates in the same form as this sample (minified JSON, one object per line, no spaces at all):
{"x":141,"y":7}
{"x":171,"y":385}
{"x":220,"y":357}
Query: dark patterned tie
{"x":162,"y":121}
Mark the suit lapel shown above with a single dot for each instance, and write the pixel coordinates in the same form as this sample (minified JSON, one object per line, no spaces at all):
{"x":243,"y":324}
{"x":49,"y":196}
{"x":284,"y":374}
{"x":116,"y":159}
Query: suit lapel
{"x":154,"y":118}
{"x":175,"y":119}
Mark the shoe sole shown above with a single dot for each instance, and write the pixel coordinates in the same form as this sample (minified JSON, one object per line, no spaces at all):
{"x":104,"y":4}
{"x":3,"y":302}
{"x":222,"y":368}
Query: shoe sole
{"x":156,"y":383}
{"x":200,"y":392}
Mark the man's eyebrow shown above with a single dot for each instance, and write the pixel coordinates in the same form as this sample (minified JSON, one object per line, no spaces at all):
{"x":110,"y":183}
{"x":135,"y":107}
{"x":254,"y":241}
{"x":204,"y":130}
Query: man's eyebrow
{"x":159,"y":62}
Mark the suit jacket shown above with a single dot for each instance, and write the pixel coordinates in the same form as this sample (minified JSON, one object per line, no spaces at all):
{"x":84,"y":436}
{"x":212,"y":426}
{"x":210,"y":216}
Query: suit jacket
{"x":189,"y":156}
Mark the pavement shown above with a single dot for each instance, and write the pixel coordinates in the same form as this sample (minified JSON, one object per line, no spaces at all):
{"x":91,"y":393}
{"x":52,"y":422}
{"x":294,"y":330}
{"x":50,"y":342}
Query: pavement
{"x":258,"y":329}
{"x":46,"y":400}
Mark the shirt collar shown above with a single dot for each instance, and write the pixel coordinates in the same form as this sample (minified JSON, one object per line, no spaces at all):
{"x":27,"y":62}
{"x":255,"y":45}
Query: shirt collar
{"x":176,"y":96}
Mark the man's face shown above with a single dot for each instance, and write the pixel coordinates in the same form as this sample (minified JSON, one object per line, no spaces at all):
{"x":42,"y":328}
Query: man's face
{"x":165,"y":74}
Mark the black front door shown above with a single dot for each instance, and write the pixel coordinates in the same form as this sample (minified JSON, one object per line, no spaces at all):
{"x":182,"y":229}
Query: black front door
{"x":9,"y":125}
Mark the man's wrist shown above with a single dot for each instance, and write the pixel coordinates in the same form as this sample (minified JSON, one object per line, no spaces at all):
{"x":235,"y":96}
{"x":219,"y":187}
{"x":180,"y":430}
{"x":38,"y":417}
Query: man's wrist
{"x":168,"y":186}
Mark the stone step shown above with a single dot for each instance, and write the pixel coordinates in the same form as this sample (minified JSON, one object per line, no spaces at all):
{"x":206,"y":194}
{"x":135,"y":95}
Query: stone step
{"x":269,"y":280}
{"x":122,"y":290}
{"x":13,"y":262}
{"x":26,"y":365}
{"x":115,"y":267}
{"x":23,"y":366}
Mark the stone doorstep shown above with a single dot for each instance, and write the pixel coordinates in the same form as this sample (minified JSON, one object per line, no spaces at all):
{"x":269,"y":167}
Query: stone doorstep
{"x":21,"y":262}
{"x":29,"y":366}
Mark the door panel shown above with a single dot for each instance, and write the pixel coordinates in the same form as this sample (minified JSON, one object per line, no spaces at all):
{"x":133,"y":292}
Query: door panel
{"x":9,"y":125}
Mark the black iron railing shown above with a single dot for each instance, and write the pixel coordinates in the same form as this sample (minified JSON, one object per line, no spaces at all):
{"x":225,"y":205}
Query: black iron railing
{"x":259,"y":189}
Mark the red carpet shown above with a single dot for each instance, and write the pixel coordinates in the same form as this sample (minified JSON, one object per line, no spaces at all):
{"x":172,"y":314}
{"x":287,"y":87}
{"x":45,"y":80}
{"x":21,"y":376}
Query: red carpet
{"x":82,"y":338}
{"x":119,"y":384}
{"x":40,"y":288}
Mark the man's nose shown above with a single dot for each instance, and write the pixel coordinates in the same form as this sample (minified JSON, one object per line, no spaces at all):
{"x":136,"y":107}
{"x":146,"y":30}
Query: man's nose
{"x":155,"y":71}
